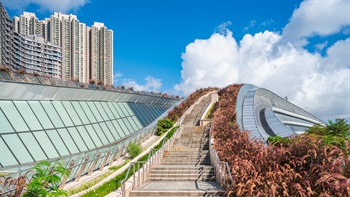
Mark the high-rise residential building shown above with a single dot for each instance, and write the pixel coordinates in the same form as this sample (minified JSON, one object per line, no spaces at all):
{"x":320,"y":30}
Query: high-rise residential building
{"x":36,"y":55}
{"x":6,"y":38}
{"x":27,"y":24}
{"x":87,"y":53}
{"x":101,"y":53}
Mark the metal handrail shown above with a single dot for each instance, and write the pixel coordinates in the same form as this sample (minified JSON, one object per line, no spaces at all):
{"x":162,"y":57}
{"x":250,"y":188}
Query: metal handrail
{"x":141,"y":175}
{"x":221,"y":168}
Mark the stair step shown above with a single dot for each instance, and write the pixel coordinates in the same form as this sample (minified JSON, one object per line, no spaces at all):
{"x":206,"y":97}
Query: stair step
{"x":176,"y":193}
{"x":183,"y":171}
{"x":182,"y":167}
{"x":185,"y":163}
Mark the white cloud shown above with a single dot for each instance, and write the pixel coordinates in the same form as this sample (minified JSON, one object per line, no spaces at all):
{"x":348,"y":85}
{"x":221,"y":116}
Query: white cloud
{"x":152,"y":84}
{"x":222,"y":28}
{"x":316,"y":17}
{"x":46,"y":5}
{"x":251,"y":24}
{"x":317,"y":84}
{"x":116,"y":77}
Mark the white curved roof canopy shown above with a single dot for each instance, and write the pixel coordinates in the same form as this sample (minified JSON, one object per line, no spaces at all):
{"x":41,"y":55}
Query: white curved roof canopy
{"x":265,"y":114}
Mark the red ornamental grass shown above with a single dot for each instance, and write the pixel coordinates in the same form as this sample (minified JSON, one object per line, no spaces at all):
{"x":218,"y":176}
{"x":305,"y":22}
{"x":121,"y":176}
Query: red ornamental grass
{"x":303,"y":167}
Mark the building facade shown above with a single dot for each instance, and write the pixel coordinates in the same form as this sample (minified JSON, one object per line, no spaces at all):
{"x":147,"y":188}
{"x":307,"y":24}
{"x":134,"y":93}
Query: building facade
{"x":35,"y":55}
{"x":87,"y":53}
{"x":265,"y":114}
{"x":101,"y":53}
{"x":6,"y":38}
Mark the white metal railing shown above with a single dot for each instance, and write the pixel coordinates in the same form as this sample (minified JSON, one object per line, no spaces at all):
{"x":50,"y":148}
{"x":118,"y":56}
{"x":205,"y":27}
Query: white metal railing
{"x":221,"y":168}
{"x":141,"y":170}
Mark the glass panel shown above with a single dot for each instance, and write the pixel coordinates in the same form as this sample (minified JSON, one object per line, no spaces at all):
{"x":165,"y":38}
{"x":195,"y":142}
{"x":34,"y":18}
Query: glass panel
{"x":119,"y":129}
{"x":84,"y":134}
{"x":108,"y":110}
{"x":101,"y":110}
{"x":122,"y":125}
{"x":88,"y":112}
{"x":114,"y":111}
{"x":133,"y":123}
{"x":41,"y":114}
{"x":30,"y":142}
{"x":113,"y":130}
{"x":46,"y":144}
{"x":5,"y":126}
{"x":71,"y":112}
{"x":52,"y":113}
{"x":68,"y":140}
{"x":76,"y":137}
{"x":62,"y":112}
{"x":95,"y":111}
{"x":128,"y":109}
{"x":80,"y":112}
{"x":106,"y":130}
{"x":121,"y":112}
{"x":58,"y":143}
{"x":128,"y":125}
{"x":13,"y":116}
{"x":122,"y":106}
{"x":17,"y":148}
{"x":100,"y":133}
{"x":6,"y":157}
{"x":28,"y":115}
{"x":137,"y":122}
{"x":93,"y":135}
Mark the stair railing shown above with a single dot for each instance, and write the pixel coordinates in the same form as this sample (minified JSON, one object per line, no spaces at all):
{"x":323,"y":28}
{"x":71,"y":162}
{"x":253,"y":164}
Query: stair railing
{"x":221,"y":168}
{"x":140,"y":170}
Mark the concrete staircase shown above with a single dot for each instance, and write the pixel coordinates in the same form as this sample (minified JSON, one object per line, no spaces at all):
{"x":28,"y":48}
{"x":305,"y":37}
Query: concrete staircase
{"x":186,"y":169}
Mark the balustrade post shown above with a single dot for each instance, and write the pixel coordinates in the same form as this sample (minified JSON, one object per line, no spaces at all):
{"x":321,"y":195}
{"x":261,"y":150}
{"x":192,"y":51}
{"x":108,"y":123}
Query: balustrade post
{"x":133,"y":175}
{"x":94,"y":164}
{"x":138,"y":175}
{"x":82,"y":167}
{"x":113,"y":157}
{"x":65,"y":178}
{"x":105,"y":160}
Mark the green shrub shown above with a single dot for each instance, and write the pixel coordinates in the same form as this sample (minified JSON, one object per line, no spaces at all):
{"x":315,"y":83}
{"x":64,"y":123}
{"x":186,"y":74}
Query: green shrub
{"x":164,"y":125}
{"x":134,"y":149}
{"x":115,"y":183}
{"x":46,"y":180}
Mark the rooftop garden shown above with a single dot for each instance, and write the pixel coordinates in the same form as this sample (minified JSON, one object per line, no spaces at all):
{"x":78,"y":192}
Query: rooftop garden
{"x":316,"y":163}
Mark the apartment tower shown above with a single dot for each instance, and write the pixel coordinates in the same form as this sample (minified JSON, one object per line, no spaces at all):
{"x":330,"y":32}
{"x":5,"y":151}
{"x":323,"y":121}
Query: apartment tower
{"x":87,"y":53}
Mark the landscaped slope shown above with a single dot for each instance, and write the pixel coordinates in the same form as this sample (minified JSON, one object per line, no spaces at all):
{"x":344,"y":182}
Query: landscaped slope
{"x":306,"y":167}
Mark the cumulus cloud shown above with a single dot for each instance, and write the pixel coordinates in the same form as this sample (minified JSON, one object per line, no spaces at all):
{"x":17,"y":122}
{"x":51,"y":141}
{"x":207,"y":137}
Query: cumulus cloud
{"x":319,"y":84}
{"x":46,"y":5}
{"x":315,"y":17}
{"x":117,"y":76}
{"x":152,"y":84}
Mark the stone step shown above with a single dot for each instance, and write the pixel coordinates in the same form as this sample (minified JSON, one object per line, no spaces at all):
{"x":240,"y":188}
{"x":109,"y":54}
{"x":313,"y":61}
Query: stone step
{"x":187,"y":157}
{"x":185,"y":163}
{"x":168,"y":159}
{"x":176,"y":193}
{"x":183,"y":178}
{"x":183,"y":171}
{"x":182,"y":167}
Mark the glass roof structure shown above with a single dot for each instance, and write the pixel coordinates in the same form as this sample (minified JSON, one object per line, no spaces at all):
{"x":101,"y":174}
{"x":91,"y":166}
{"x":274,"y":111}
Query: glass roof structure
{"x":86,"y":128}
{"x":266,"y":114}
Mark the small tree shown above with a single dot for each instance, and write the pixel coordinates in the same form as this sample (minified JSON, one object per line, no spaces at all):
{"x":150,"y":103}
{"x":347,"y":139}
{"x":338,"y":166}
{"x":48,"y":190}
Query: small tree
{"x":134,"y":149}
{"x":46,"y":180}
{"x":164,"y":125}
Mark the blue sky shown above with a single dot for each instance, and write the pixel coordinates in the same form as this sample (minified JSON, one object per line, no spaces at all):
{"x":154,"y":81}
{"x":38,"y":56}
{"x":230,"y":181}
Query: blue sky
{"x":298,"y":49}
